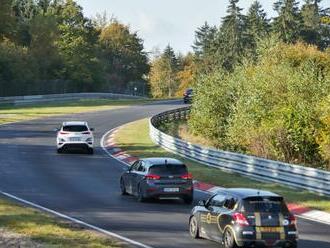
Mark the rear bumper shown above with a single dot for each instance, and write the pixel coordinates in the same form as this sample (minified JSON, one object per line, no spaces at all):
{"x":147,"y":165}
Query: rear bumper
{"x":267,"y":244}
{"x":74,"y":146}
{"x":179,"y":191}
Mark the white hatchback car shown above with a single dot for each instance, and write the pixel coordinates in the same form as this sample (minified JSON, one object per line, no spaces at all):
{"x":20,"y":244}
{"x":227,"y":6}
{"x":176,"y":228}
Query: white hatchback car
{"x":76,"y":135}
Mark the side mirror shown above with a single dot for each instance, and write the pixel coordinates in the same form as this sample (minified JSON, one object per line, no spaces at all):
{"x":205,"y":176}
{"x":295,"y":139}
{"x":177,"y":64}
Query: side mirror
{"x":202,"y":203}
{"x":92,"y":129}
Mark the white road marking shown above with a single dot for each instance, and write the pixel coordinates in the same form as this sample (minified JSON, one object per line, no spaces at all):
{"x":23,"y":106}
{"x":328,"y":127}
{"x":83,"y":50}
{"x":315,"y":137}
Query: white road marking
{"x":130,"y":241}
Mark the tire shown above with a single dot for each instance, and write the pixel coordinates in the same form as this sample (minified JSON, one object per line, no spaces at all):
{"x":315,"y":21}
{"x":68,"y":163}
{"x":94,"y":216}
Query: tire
{"x":59,"y":150}
{"x":294,"y":245}
{"x":140,"y":196}
{"x":193,"y":228}
{"x":90,"y":151}
{"x":228,"y":239}
{"x":122,"y":187}
{"x":188,"y":200}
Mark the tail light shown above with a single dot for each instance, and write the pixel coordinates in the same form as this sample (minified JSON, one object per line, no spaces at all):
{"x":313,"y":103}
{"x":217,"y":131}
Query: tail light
{"x":64,"y":133}
{"x":86,"y":132}
{"x":187,"y":176}
{"x":292,"y":220}
{"x":240,"y":219}
{"x":152,"y":177}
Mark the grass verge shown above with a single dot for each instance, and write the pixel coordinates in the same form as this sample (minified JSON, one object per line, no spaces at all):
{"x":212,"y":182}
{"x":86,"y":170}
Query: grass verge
{"x":48,"y":231}
{"x":134,"y":138}
{"x":20,"y":113}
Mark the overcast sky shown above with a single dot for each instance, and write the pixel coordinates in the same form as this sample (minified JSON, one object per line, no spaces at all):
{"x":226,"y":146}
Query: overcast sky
{"x":162,"y":22}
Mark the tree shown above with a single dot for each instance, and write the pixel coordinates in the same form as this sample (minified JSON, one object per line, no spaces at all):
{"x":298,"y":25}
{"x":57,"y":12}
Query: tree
{"x":169,"y":54}
{"x":186,"y":74}
{"x":204,"y":37}
{"x":257,"y":26}
{"x":230,"y":40}
{"x":123,"y":55}
{"x":24,"y":11}
{"x":6,"y":18}
{"x":44,"y":33}
{"x":311,"y":30}
{"x":76,"y":45}
{"x":288,"y":22}
{"x":163,"y":74}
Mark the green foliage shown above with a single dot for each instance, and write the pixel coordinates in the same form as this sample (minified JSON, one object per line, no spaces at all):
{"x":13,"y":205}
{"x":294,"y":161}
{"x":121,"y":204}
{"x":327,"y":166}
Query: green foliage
{"x":6,"y":18}
{"x":271,"y":108}
{"x":212,"y":106}
{"x":288,"y":22}
{"x":63,"y":51}
{"x":17,"y":64}
{"x":230,"y":40}
{"x":162,"y":76}
{"x":256,"y":27}
{"x":204,"y":37}
{"x":122,"y":55}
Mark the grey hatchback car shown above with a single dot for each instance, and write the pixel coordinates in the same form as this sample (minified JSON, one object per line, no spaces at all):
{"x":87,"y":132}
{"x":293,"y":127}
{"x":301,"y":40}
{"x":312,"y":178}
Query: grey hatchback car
{"x":158,"y":178}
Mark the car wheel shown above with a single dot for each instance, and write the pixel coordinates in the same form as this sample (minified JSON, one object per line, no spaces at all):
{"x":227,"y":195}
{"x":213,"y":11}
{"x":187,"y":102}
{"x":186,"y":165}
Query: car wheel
{"x":59,"y":150}
{"x":193,"y":227}
{"x":294,"y":245}
{"x":141,"y":198}
{"x":122,"y":187}
{"x":90,"y":151}
{"x":228,"y":239}
{"x":188,"y":200}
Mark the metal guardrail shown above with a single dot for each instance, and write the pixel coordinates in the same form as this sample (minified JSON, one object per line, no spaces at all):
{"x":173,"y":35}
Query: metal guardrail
{"x":19,"y":100}
{"x":258,"y":168}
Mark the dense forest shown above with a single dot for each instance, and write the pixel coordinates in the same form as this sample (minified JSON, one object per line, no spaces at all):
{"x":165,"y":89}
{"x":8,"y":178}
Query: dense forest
{"x":49,"y":46}
{"x":262,"y":86}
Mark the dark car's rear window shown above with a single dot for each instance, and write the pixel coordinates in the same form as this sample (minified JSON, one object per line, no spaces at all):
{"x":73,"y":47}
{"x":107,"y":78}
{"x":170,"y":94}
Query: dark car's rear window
{"x":168,"y":169}
{"x":265,"y":205}
{"x":75,"y":128}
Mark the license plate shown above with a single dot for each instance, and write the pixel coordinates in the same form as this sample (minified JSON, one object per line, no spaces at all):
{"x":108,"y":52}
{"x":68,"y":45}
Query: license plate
{"x":171,"y":189}
{"x":270,"y":229}
{"x":75,"y":139}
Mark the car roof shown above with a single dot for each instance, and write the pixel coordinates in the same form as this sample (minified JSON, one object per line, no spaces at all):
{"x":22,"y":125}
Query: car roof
{"x":247,"y":192}
{"x":75,"y":123}
{"x":154,"y":161}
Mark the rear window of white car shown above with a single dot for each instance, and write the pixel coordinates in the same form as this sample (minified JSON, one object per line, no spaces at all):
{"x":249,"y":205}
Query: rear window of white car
{"x":75,"y":128}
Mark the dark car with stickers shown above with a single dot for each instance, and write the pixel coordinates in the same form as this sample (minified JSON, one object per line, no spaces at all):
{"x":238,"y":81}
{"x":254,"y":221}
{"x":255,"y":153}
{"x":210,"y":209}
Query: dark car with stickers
{"x":240,"y":217}
{"x":158,"y":178}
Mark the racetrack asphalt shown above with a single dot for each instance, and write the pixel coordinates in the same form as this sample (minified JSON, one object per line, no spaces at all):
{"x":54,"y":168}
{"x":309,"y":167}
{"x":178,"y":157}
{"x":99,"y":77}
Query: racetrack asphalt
{"x":87,"y":187}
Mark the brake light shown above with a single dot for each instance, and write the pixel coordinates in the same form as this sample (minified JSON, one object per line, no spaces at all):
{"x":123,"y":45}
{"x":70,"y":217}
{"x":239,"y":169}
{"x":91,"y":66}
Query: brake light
{"x":152,"y":177}
{"x":240,"y":219}
{"x":292,"y":220}
{"x":64,"y":133}
{"x":86,"y":132}
{"x":187,"y":176}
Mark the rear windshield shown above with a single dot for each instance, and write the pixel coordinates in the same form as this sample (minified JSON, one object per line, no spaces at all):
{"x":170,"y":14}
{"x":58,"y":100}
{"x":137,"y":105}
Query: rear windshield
{"x":168,"y":169}
{"x":75,"y":128}
{"x":265,"y":205}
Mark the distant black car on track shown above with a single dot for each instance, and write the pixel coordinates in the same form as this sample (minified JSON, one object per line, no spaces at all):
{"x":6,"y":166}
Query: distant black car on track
{"x":188,"y":95}
{"x":244,"y":218}
{"x":158,"y":178}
